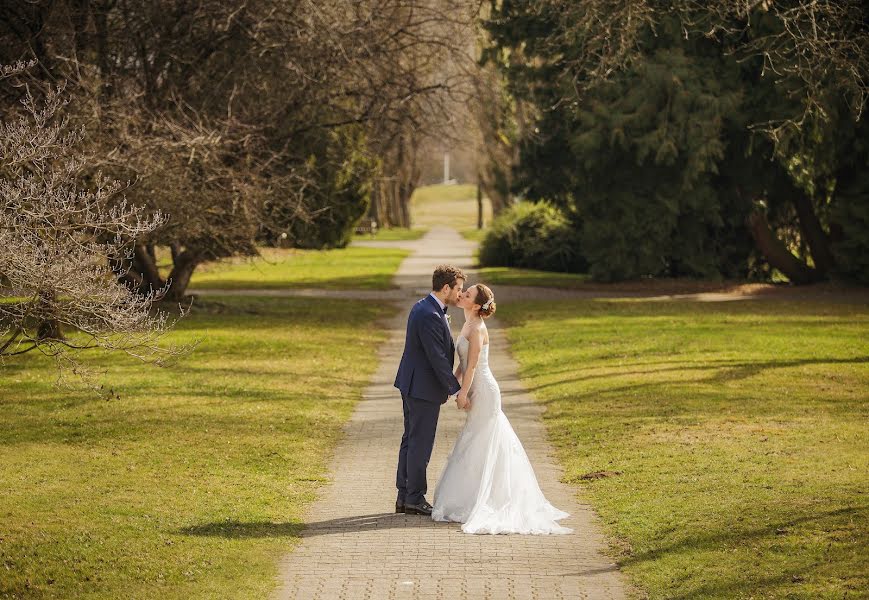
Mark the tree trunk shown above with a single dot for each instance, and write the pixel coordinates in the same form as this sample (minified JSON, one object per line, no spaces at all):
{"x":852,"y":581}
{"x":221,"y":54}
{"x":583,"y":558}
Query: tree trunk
{"x":48,"y":329}
{"x":479,"y":203}
{"x":776,"y":253}
{"x":404,"y":206}
{"x":145,"y":265}
{"x":814,"y":234}
{"x":492,"y":188}
{"x":393,"y":202}
{"x":102,"y":46}
{"x":179,"y":278}
{"x":374,"y":205}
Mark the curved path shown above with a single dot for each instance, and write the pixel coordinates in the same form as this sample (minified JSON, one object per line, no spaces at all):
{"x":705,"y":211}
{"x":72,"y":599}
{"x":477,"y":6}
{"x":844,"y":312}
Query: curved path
{"x":354,"y":546}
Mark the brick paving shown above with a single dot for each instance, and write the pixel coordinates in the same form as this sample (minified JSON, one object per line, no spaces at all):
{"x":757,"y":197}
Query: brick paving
{"x":355,"y":547}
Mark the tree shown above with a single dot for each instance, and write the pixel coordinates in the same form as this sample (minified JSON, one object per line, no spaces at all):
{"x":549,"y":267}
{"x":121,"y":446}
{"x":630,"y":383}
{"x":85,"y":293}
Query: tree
{"x":674,"y":137}
{"x":229,"y":116}
{"x":56,"y":240}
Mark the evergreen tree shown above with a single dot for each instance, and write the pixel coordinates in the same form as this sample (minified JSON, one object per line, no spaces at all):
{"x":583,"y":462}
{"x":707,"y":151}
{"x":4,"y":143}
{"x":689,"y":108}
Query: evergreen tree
{"x":675,"y":153}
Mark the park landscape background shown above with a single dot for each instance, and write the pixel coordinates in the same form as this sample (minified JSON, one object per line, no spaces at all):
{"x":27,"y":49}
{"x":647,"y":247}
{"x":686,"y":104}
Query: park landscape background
{"x":645,"y":244}
{"x":729,"y":436}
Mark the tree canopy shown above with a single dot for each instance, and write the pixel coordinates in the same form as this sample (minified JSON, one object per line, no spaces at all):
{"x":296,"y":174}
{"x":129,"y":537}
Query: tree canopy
{"x":700,"y":139}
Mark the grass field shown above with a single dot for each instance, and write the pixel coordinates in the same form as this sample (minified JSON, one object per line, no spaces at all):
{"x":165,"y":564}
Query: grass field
{"x":395,"y":234}
{"x":732,"y":437}
{"x":475,"y":235}
{"x":192,"y":484}
{"x":531,"y":277}
{"x":347,"y":268}
{"x":448,"y":205}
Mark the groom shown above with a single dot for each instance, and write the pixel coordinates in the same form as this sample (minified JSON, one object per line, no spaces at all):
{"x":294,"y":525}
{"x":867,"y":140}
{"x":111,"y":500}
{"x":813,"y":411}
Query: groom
{"x":425,"y":378}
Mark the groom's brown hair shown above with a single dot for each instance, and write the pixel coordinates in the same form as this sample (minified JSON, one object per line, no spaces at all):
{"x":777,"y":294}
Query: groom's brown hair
{"x":446,"y":275}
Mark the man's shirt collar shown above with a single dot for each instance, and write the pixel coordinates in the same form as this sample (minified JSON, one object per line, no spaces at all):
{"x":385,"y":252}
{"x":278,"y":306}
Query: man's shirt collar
{"x":438,"y":300}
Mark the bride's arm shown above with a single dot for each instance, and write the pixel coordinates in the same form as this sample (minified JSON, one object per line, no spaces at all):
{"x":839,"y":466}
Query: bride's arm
{"x":475,"y":344}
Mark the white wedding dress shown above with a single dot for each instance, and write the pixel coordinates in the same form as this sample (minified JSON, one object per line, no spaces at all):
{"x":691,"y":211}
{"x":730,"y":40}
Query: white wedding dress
{"x":488,"y":483}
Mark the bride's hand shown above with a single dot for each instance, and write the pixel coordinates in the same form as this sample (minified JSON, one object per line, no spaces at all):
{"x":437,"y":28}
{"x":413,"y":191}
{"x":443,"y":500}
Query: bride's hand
{"x":462,"y":402}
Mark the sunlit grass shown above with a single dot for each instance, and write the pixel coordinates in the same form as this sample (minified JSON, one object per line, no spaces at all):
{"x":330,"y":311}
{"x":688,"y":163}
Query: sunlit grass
{"x":395,"y":234}
{"x":531,"y":277}
{"x":738,"y":432}
{"x":193,"y":483}
{"x":475,"y":235}
{"x":448,"y":205}
{"x":346,"y":268}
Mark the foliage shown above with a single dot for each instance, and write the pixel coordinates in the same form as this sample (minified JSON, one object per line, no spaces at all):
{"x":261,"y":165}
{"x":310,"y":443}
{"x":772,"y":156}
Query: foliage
{"x":537,"y":236}
{"x":733,"y":433}
{"x":678,"y":146}
{"x":852,"y":252}
{"x":341,"y":198}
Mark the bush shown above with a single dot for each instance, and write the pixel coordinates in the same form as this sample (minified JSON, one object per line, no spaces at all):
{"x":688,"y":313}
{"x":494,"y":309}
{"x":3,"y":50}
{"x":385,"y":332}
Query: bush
{"x":533,"y":236}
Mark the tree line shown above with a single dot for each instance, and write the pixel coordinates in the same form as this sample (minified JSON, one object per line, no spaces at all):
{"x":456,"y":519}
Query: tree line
{"x":206,"y":129}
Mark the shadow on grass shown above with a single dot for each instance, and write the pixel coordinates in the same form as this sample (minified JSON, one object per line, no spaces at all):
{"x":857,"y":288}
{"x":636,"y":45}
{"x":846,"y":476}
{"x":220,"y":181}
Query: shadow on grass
{"x":726,"y":370}
{"x":240,"y":531}
{"x":339,"y":526}
{"x":714,"y":540}
{"x":734,"y":584}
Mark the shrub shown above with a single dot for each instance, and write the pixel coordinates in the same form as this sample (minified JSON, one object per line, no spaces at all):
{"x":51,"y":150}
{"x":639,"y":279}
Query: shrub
{"x":534,"y":236}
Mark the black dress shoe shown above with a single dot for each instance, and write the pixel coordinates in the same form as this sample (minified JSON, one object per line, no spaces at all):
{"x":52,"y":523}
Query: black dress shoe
{"x":399,"y":506}
{"x":418,"y":509}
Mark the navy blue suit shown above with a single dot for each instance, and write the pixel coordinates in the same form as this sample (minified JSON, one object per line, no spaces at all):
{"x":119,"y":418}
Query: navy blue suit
{"x":425,"y":378}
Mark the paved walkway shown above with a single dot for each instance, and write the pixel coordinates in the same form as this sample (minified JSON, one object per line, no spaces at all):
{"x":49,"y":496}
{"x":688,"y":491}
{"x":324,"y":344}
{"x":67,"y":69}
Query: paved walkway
{"x":354,"y":546}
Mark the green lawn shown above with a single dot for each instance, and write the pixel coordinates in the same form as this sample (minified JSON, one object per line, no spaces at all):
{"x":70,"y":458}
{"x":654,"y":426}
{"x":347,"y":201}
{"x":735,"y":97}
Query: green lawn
{"x":347,"y":268}
{"x":192,"y":484}
{"x":531,"y":277}
{"x":738,"y":431}
{"x":448,"y":205}
{"x":475,"y":235}
{"x":395,"y":234}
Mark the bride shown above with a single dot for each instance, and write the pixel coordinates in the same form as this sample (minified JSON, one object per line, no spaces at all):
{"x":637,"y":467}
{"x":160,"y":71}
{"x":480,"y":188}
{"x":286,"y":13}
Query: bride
{"x":488,"y":483}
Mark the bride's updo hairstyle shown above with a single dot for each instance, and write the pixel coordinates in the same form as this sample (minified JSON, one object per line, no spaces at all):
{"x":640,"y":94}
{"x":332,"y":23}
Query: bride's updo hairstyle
{"x":486,"y":299}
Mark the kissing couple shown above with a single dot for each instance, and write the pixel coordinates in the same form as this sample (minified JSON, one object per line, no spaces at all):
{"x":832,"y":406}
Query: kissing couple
{"x":488,"y":484}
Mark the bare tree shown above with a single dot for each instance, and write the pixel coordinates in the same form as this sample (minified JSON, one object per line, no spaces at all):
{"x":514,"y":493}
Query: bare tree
{"x":221,"y":113}
{"x":822,"y":44}
{"x":56,"y":240}
{"x":425,"y":75}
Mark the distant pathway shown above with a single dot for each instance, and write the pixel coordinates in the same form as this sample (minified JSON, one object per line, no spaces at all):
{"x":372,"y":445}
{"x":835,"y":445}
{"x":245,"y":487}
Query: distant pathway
{"x":354,"y":546}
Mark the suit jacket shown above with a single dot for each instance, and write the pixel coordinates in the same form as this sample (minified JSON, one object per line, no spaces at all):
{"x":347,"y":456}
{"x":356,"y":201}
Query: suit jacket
{"x":426,"y":368}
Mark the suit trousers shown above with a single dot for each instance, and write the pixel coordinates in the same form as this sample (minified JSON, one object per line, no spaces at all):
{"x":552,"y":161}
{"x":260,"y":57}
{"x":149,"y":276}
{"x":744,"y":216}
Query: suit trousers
{"x":420,"y":425}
